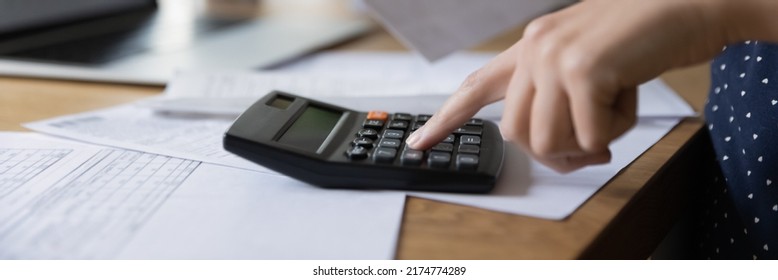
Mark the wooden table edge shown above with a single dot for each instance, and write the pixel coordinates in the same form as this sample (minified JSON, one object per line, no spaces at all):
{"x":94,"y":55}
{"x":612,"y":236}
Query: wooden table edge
{"x":604,"y":226}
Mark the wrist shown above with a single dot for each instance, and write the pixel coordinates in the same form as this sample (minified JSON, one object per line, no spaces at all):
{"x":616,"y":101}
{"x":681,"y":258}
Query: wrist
{"x":747,"y":19}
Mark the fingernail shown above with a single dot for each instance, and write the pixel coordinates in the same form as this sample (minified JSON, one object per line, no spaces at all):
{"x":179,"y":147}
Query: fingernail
{"x":414,"y":138}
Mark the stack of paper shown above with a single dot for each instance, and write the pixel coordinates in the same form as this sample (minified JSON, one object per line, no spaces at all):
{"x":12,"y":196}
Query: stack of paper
{"x":526,"y":188}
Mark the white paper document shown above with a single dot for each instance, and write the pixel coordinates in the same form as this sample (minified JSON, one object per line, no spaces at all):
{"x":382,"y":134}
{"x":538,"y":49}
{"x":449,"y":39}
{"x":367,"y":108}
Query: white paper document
{"x":64,"y":200}
{"x":436,"y":28}
{"x":195,"y":137}
{"x":527,"y":187}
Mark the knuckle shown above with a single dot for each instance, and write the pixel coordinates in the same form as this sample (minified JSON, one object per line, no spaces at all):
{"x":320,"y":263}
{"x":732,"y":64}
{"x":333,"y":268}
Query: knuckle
{"x":576,"y":64}
{"x":542,"y":41}
{"x":538,"y":28}
{"x":548,"y":50}
{"x":470,"y":82}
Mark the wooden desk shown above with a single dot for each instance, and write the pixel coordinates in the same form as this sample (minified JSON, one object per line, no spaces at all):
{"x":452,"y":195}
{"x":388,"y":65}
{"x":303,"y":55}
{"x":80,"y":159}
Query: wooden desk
{"x":625,"y":219}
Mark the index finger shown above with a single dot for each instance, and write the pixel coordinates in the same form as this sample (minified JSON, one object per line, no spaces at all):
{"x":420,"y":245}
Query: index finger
{"x":482,"y":87}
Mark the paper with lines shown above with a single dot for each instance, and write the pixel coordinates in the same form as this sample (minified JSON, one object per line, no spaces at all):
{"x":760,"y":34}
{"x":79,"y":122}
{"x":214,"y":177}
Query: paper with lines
{"x":65,"y":200}
{"x":190,"y":136}
{"x":19,"y":166}
{"x":74,"y":201}
{"x":110,"y":195}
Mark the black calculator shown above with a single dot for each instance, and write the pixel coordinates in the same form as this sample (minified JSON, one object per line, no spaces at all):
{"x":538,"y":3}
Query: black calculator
{"x":334,"y":147}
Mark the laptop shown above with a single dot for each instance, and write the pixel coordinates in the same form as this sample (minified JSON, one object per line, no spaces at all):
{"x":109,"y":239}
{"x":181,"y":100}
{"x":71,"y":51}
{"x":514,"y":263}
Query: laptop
{"x":146,"y":41}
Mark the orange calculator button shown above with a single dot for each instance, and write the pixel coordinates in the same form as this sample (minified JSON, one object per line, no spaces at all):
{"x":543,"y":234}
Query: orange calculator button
{"x":377,"y":115}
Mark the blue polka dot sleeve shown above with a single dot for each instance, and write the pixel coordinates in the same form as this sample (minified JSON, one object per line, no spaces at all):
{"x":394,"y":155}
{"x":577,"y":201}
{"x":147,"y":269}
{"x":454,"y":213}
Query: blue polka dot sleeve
{"x":742,"y":118}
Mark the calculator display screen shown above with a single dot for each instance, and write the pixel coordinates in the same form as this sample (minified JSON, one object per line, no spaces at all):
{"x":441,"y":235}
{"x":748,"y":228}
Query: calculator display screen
{"x":310,"y":130}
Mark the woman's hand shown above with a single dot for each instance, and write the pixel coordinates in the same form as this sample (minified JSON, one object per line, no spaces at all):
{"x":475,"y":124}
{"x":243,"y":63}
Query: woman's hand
{"x":570,"y":85}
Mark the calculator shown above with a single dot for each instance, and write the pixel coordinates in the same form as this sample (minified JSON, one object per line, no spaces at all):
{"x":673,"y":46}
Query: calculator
{"x":334,"y":147}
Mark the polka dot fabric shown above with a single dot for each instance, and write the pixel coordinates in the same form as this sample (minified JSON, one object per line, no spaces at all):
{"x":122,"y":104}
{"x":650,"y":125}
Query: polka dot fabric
{"x":742,"y":118}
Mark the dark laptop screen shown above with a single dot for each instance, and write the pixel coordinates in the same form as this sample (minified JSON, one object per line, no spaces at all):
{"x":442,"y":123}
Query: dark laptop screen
{"x":17,"y":15}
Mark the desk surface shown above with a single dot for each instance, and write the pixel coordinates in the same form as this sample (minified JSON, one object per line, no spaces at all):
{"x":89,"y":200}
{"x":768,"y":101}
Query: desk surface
{"x":434,"y":230}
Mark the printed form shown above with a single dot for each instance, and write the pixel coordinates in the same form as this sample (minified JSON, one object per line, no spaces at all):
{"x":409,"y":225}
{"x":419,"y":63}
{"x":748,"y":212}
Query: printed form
{"x":188,"y":136}
{"x":64,"y":200}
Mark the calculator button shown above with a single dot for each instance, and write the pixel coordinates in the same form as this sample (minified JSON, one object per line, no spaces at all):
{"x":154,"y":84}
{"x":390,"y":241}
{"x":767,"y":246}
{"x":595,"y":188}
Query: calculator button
{"x":417,"y":125}
{"x":470,"y":140}
{"x":472,"y":130}
{"x":467,"y":162}
{"x":403,"y":117}
{"x":385,"y":155}
{"x":439,"y":159}
{"x":393,"y":133}
{"x":423,"y":118}
{"x":475,"y":122}
{"x":443,"y":147}
{"x":411,"y":157}
{"x":377,"y":115}
{"x":469,"y":149}
{"x":357,"y":153}
{"x":373,"y":124}
{"x":449,"y":139}
{"x":368,"y":133}
{"x":395,"y":124}
{"x":389,"y":143}
{"x":364,"y":142}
